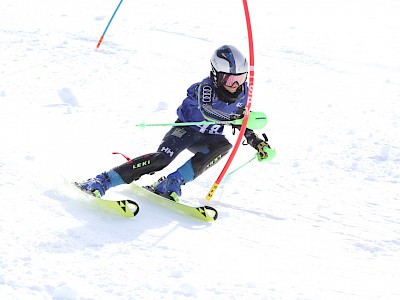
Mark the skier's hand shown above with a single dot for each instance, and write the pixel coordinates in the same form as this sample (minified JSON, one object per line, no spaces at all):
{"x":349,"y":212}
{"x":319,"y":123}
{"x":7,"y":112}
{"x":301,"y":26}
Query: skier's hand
{"x":233,"y":117}
{"x":264,"y":150}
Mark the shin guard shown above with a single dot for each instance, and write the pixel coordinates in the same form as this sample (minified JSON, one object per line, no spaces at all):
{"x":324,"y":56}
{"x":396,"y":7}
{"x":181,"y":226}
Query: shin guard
{"x":202,"y":161}
{"x":145,"y":164}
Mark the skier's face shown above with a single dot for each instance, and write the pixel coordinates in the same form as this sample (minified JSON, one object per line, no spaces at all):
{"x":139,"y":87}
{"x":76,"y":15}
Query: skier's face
{"x":233,"y":88}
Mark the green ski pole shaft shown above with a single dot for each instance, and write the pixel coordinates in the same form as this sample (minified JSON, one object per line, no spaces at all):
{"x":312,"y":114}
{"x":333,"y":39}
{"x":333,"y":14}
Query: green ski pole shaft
{"x":186,"y":124}
{"x":241,"y":166}
{"x":256,"y":121}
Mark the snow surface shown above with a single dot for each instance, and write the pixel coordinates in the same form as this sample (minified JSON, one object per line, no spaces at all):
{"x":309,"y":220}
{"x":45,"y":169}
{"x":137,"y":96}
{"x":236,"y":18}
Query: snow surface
{"x":321,"y":221}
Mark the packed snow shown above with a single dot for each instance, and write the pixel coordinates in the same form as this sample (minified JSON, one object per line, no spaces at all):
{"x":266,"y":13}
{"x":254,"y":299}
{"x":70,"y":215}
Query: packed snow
{"x":320,"y":221}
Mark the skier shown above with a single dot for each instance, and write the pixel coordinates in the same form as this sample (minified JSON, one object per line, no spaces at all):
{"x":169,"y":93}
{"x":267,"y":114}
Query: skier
{"x":222,"y":96}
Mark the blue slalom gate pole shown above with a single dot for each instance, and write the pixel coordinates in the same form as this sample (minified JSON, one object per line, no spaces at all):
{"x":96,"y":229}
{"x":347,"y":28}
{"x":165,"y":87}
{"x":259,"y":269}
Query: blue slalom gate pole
{"x":108,"y":25}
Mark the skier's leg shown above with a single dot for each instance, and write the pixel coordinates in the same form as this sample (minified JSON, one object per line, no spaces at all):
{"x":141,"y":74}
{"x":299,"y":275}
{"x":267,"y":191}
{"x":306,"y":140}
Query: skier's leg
{"x":132,"y":170}
{"x":216,"y":148}
{"x":210,"y":153}
{"x":125,"y":173}
{"x":173,"y":143}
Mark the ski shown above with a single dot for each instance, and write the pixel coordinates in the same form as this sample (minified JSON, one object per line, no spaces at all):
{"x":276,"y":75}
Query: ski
{"x":205,"y":213}
{"x":127,"y":208}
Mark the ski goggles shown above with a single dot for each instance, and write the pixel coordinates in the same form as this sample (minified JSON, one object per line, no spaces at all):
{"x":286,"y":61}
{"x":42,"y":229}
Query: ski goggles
{"x":229,"y":79}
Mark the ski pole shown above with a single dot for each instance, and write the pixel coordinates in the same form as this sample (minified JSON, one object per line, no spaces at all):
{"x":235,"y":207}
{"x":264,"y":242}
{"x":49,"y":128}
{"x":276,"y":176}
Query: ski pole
{"x":256,"y":121}
{"x":108,"y":25}
{"x":270,"y":155}
{"x":241,"y":166}
{"x":189,"y":123}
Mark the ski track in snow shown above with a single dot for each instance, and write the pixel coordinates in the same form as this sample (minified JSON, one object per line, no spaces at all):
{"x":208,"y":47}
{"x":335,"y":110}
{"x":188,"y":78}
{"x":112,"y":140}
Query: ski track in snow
{"x":321,"y":221}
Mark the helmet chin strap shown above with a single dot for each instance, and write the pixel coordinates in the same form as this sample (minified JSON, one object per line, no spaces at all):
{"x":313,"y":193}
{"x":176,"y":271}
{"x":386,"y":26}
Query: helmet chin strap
{"x":213,"y":76}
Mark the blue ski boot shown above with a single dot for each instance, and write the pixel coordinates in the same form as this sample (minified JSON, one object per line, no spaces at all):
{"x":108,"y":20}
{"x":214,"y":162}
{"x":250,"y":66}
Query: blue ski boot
{"x":96,"y":186}
{"x":170,"y":187}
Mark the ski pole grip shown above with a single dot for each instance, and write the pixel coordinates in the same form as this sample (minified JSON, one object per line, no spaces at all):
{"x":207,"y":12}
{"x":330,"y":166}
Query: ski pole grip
{"x":270,"y":154}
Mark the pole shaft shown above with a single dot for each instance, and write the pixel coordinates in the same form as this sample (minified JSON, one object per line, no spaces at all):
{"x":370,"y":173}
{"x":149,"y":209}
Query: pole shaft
{"x":108,"y":25}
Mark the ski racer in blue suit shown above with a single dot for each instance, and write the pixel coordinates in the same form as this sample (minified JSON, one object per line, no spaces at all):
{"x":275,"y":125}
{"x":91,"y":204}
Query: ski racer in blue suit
{"x":220,"y":97}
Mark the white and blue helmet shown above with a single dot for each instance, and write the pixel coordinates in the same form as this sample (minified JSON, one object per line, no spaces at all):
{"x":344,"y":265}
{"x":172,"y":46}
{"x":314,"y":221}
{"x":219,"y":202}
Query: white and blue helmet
{"x":228,"y":60}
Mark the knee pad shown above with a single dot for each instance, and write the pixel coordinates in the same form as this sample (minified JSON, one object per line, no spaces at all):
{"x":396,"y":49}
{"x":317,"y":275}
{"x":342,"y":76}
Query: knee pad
{"x":145,"y":164}
{"x":204,"y":160}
